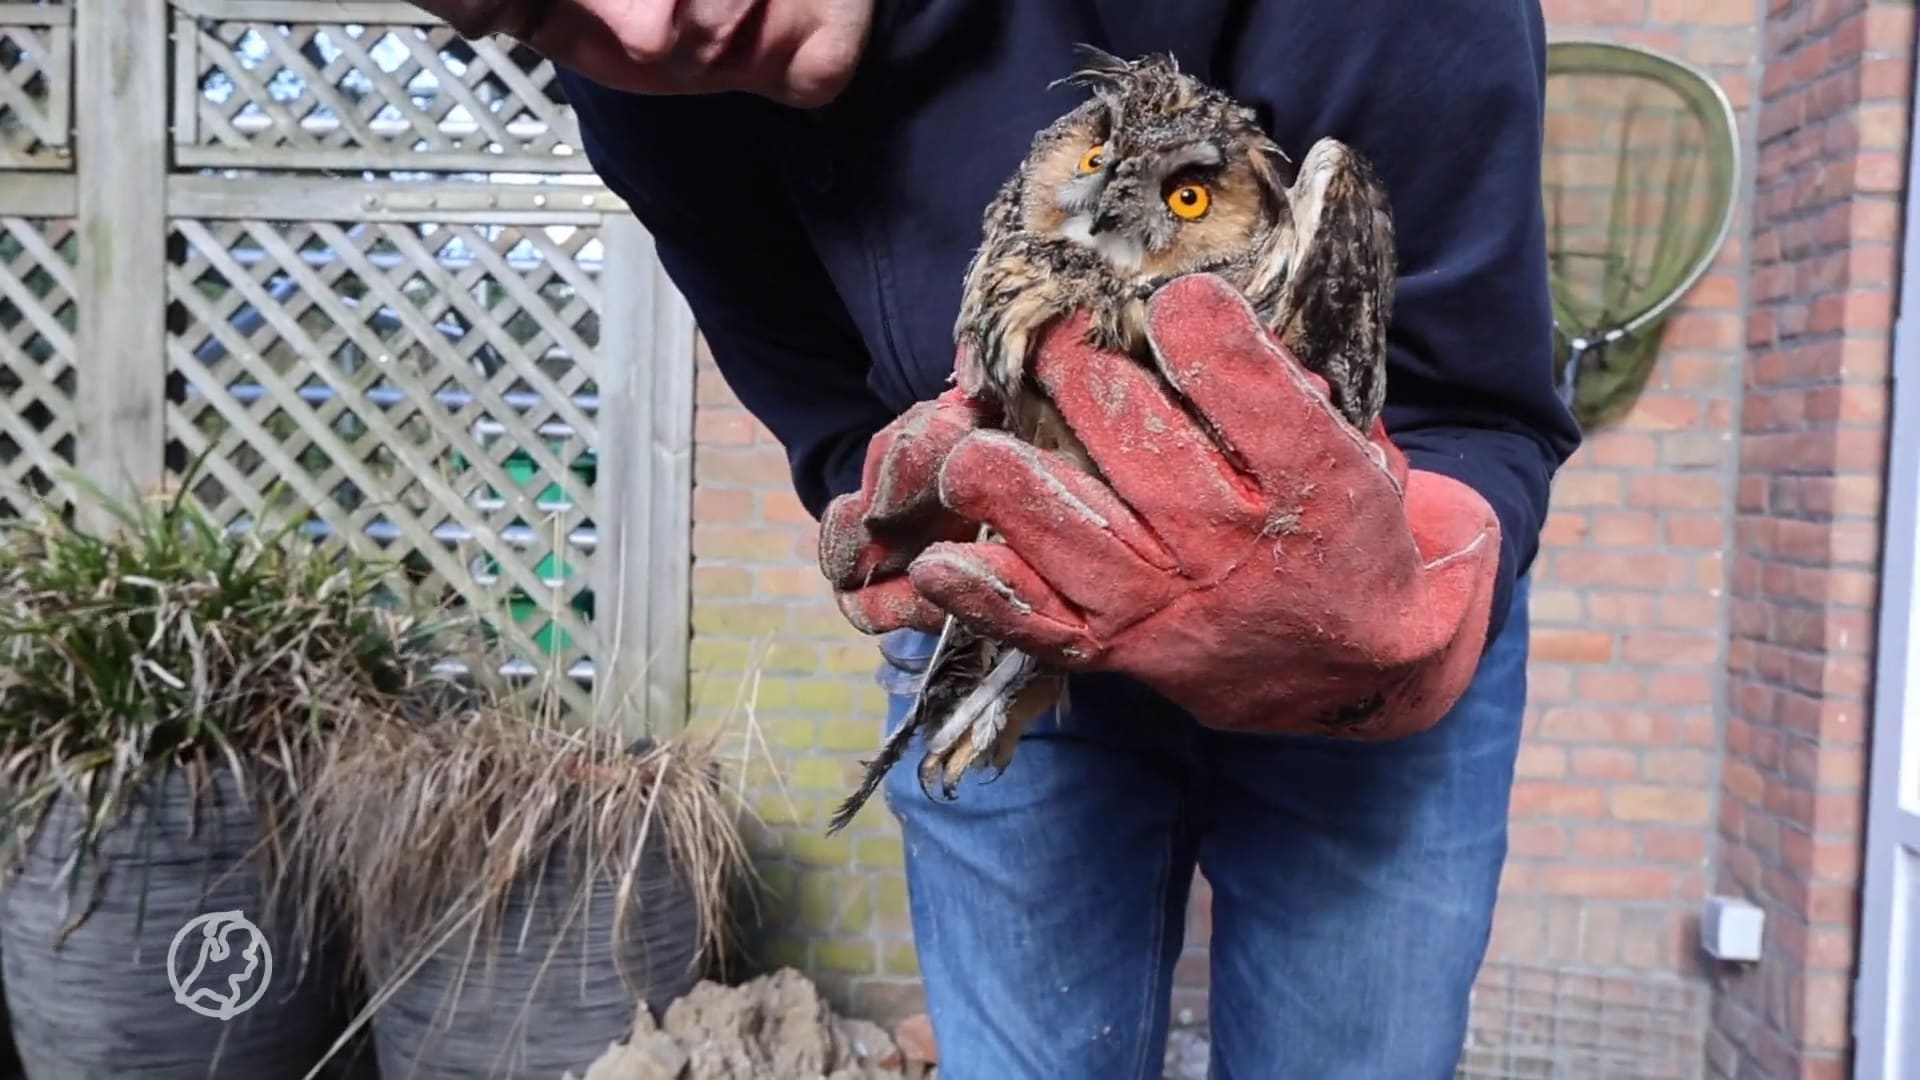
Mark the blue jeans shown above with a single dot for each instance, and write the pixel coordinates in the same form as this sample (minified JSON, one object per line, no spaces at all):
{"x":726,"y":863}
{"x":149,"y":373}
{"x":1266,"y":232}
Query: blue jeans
{"x":1353,"y":886}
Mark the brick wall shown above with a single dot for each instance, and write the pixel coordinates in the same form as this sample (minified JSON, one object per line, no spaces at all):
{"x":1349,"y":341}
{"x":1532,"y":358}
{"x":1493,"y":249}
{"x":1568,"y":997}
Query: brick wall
{"x":767,"y":636}
{"x":1613,"y":808}
{"x":1832,"y":153}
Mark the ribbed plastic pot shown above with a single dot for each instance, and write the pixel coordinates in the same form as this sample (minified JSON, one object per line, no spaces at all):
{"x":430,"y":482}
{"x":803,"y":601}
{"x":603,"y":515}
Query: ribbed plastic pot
{"x":99,"y":1004}
{"x":540,"y":989}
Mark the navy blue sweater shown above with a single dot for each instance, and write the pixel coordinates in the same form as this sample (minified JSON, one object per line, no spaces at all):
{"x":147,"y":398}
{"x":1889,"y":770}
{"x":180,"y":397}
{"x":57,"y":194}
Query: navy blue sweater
{"x":822,"y":252}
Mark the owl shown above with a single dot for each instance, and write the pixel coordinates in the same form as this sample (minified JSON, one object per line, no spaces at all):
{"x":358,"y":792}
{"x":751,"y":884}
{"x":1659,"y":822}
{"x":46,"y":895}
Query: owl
{"x":1156,"y":175}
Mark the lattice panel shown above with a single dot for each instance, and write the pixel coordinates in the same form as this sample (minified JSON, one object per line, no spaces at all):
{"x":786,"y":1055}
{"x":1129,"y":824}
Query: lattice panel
{"x":36,"y":86}
{"x":269,"y":94}
{"x":421,"y":390}
{"x":37,"y":376}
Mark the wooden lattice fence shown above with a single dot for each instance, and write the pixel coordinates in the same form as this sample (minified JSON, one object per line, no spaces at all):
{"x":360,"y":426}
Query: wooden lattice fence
{"x":346,"y":262}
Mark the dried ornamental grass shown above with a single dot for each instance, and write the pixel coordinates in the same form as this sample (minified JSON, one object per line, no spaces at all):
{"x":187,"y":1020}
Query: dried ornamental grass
{"x":429,"y":833}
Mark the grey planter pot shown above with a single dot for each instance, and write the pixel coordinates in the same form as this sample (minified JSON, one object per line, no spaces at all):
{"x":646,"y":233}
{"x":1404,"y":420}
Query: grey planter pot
{"x":539,"y":990}
{"x":101,"y":1003}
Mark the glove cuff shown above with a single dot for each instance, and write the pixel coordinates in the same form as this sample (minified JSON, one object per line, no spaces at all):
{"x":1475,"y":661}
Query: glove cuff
{"x":1458,"y":535}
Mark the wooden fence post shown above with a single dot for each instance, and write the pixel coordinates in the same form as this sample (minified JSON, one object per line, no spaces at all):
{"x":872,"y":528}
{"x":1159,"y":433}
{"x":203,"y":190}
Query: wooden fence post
{"x":645,"y":553}
{"x":121,"y":142}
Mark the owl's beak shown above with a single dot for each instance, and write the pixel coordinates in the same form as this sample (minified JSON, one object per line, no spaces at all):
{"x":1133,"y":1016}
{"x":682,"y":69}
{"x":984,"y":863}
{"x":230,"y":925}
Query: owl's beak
{"x":1102,"y":221}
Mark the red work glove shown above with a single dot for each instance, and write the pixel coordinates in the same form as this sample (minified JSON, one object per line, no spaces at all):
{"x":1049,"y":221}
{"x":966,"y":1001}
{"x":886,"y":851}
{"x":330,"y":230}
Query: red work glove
{"x":1304,"y":580}
{"x":868,"y":537}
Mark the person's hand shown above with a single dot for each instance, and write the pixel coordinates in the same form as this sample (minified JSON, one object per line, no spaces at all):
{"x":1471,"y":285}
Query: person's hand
{"x":797,"y":52}
{"x":1266,"y":568}
{"x":868,"y":537}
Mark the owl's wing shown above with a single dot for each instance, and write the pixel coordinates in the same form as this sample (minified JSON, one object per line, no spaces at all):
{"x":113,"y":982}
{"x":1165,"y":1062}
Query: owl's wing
{"x":1328,"y":278}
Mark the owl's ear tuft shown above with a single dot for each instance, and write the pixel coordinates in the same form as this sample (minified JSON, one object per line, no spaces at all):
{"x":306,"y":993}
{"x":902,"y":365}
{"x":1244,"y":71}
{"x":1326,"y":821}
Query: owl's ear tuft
{"x":1096,"y":67}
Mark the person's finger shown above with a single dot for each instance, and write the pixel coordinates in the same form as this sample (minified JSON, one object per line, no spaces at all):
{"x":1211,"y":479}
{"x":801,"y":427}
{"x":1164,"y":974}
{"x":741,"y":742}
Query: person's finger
{"x":1146,"y":446}
{"x":902,"y":469}
{"x":1064,"y":523}
{"x":635,"y":53}
{"x":848,"y":555}
{"x":991,"y":589}
{"x":889,"y":605}
{"x":1269,"y":412}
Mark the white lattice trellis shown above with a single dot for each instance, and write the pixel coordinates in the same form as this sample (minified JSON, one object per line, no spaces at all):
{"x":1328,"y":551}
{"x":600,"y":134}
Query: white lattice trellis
{"x":410,"y":366}
{"x":37,"y":375}
{"x":327,"y":85}
{"x":422,"y":388}
{"x":36,"y":86}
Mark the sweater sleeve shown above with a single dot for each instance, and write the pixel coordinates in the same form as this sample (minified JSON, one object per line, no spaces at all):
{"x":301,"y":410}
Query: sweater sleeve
{"x":1447,"y":99}
{"x":693,"y":174}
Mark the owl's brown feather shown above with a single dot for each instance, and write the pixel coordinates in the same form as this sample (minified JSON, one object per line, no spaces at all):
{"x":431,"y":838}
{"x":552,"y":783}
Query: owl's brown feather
{"x":1314,"y":257}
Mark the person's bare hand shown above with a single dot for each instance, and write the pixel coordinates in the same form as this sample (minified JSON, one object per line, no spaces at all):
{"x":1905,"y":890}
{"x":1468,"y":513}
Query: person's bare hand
{"x":798,"y":52}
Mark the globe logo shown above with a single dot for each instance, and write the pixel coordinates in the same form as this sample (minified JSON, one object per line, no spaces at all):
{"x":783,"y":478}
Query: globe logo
{"x":219,"y":964}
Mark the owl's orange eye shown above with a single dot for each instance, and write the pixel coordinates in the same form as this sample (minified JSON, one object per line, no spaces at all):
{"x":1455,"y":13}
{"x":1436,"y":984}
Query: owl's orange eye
{"x":1095,"y":156}
{"x":1189,"y":201}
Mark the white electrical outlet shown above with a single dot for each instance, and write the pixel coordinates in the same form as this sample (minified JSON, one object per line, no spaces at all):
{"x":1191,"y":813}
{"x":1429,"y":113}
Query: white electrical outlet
{"x":1731,"y":929}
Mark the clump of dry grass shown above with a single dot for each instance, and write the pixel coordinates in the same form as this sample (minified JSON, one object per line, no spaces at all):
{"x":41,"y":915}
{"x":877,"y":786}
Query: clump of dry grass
{"x":421,"y":824}
{"x":420,"y":829}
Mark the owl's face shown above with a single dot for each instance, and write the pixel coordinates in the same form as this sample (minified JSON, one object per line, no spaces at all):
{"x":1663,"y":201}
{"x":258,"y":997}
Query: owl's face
{"x":1158,"y":173}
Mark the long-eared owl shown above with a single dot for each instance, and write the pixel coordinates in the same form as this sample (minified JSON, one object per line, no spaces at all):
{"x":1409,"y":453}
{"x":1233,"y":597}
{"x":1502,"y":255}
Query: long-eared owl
{"x":1156,"y":175}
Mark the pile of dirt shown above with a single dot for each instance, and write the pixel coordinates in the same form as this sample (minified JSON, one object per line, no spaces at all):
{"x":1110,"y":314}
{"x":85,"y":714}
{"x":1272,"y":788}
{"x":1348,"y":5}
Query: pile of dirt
{"x":776,"y":1027}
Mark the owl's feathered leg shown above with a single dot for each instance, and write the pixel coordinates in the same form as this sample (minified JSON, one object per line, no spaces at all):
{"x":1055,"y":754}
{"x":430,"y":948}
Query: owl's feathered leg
{"x":973,"y":701}
{"x":974,"y":730}
{"x":896,"y":745}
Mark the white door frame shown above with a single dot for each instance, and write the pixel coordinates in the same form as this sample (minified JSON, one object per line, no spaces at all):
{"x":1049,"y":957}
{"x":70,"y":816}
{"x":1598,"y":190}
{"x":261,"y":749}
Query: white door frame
{"x":1886,"y":997}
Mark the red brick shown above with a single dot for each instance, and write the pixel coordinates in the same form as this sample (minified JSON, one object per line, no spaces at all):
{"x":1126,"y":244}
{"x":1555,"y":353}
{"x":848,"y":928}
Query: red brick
{"x":749,"y":467}
{"x":1616,"y":726}
{"x":715,"y":427}
{"x":1605,"y":842}
{"x":1537,"y":762}
{"x":1607,"y":883}
{"x":1537,"y":840}
{"x":717,"y":582}
{"x":712,"y":504}
{"x":1595,"y":12}
{"x":1685,"y":768}
{"x":1572,"y":646}
{"x":1624,"y":528}
{"x":1605,"y":763}
{"x":1673,"y":492}
{"x":1623,"y":449}
{"x":790,"y":581}
{"x":1695,"y":530}
{"x":1549,"y":605}
{"x":1610,"y":685}
{"x":1563,"y":529}
{"x":1576,"y":488}
{"x":783,"y":507}
{"x":1670,"y":650}
{"x":1534,"y":799}
{"x":1624,"y":609}
{"x":1680,"y":688}
{"x":1637,"y":571}
{"x":1665,"y":412}
{"x":1671,"y":805}
{"x":1674,"y":845}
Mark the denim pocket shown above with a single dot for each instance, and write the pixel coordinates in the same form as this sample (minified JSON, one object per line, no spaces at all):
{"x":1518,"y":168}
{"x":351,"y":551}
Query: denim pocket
{"x":904,"y":654}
